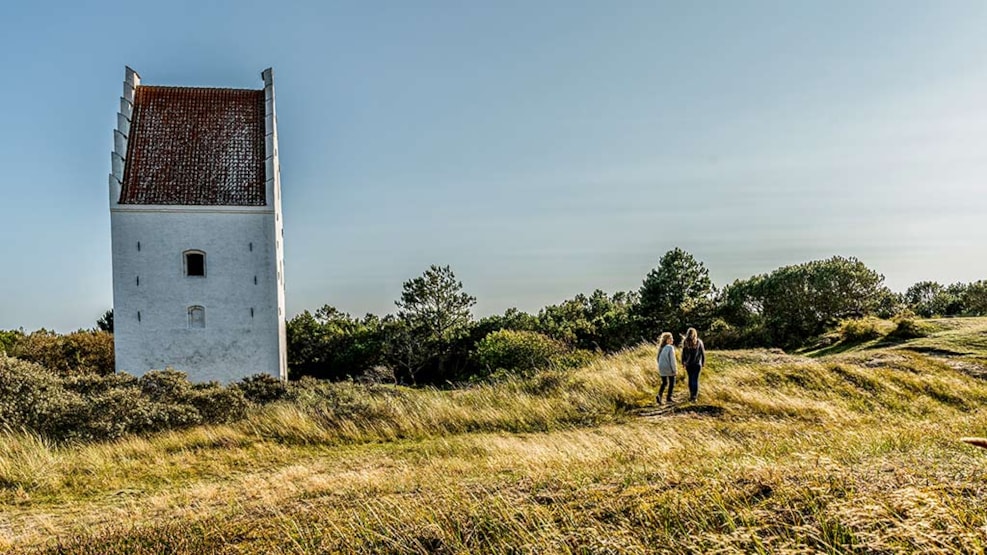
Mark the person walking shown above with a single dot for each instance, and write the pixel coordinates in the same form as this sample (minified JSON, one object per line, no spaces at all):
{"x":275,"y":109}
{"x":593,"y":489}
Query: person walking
{"x":693,"y":358}
{"x":666,"y":366}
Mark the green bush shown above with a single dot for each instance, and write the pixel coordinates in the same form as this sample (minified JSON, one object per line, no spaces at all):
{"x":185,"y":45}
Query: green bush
{"x":722,"y":335}
{"x":861,"y":329}
{"x":262,"y":388}
{"x":518,"y":352}
{"x":117,"y":412}
{"x":80,"y":352}
{"x":908,"y":327}
{"x":92,"y":385}
{"x":166,"y":385}
{"x":31,"y":397}
{"x":9,"y":338}
{"x":92,"y":407}
{"x":108,"y":414}
{"x":216,"y":404}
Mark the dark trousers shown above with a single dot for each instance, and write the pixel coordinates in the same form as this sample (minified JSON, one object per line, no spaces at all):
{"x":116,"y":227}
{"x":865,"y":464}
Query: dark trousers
{"x":693,"y":373}
{"x":670,"y":382}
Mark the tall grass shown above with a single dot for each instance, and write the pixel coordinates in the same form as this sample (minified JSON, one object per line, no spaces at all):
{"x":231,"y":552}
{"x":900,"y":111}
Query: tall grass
{"x":342,"y":413}
{"x":26,"y":461}
{"x":851,"y":453}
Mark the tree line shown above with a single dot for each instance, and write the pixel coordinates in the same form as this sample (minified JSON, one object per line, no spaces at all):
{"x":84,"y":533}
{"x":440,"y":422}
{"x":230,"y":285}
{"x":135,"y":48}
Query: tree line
{"x":433,"y":337}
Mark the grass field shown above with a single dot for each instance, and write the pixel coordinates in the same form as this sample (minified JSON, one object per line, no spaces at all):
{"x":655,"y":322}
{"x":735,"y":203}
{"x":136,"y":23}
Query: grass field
{"x":856,"y":451}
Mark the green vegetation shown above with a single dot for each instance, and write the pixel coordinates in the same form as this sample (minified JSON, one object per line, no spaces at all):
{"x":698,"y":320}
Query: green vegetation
{"x":521,"y":352}
{"x":864,"y":329}
{"x":433,"y":339}
{"x":80,"y":352}
{"x":87,"y":407}
{"x":676,"y":295}
{"x":856,"y":451}
{"x":909,"y":327}
{"x":792,"y":304}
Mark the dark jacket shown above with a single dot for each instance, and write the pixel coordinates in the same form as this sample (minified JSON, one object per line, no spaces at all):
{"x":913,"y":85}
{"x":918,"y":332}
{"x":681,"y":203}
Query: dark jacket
{"x":694,"y":357}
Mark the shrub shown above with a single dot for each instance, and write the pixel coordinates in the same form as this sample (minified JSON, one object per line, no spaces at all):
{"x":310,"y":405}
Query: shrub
{"x":158,"y":417}
{"x":518,"y":352}
{"x":861,"y":329}
{"x":31,"y":396}
{"x":121,"y":404}
{"x":262,"y":388}
{"x":92,"y":407}
{"x":91,"y":384}
{"x":78,"y":352}
{"x":9,"y":338}
{"x":722,"y":335}
{"x":216,"y":404}
{"x":379,"y":374}
{"x":165,"y":385}
{"x":908,"y":327}
{"x":108,"y":414}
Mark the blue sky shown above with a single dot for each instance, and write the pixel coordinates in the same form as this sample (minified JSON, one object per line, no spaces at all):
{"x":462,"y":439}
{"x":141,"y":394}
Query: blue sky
{"x":541,"y":148}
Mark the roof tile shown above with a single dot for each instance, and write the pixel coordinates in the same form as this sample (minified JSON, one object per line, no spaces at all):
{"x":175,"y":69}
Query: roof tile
{"x":196,"y":146}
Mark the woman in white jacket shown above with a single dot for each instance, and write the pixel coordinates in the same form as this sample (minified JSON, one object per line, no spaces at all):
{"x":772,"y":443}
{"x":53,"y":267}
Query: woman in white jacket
{"x":666,"y":366}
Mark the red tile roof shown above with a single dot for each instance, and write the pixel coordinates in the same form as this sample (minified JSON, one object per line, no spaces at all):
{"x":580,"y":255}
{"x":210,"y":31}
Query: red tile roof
{"x":196,"y":146}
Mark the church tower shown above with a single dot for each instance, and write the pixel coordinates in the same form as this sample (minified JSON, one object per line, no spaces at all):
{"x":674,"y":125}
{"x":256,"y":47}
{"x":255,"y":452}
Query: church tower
{"x":195,"y":213}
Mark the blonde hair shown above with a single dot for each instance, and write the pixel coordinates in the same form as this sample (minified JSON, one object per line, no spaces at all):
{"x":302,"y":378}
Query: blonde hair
{"x":666,"y":339}
{"x":691,"y":339}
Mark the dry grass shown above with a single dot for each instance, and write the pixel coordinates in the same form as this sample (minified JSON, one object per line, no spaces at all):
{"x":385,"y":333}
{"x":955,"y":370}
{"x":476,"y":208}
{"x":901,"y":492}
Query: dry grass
{"x":852,"y":453}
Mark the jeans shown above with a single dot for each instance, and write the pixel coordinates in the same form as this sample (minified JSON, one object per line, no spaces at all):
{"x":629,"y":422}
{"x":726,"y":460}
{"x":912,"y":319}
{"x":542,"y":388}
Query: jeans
{"x":693,"y":372}
{"x":670,"y":382}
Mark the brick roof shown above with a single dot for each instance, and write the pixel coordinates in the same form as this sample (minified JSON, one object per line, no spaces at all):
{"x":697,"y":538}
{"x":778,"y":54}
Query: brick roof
{"x":195,"y":146}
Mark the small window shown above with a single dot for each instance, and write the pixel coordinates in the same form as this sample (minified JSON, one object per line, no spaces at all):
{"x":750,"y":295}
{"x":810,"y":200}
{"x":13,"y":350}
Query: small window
{"x":195,"y":263}
{"x":196,"y":317}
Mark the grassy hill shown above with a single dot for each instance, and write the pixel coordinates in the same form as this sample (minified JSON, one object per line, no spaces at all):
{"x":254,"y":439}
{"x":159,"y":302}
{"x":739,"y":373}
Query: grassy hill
{"x":850,"y":448}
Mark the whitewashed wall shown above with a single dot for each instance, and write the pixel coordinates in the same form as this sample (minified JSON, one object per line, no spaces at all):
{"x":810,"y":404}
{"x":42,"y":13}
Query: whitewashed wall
{"x":151,"y":281}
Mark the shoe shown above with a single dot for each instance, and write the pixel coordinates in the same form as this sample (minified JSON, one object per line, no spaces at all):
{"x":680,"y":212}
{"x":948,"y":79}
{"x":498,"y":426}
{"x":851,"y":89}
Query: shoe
{"x":658,"y":400}
{"x":692,"y":399}
{"x":669,"y":400}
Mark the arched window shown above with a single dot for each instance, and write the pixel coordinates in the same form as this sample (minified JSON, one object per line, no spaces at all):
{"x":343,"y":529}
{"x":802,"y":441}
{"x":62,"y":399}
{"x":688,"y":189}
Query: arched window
{"x":195,"y":263}
{"x":196,"y":317}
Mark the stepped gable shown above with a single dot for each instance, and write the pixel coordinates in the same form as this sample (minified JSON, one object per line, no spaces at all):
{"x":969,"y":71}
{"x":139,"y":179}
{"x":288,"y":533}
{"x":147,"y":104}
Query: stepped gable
{"x":196,"y":146}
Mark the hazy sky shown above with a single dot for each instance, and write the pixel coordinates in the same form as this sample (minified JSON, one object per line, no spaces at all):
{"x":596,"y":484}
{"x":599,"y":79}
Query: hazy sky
{"x":541,"y":148}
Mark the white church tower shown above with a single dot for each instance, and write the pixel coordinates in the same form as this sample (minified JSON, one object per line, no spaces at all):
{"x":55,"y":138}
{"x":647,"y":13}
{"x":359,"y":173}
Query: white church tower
{"x":195,"y":212}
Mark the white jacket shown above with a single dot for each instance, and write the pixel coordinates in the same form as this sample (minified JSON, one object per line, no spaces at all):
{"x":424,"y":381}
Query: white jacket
{"x":666,"y":361}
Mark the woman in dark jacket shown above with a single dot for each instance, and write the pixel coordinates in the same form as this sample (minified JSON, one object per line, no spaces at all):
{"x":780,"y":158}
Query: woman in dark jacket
{"x":693,"y":358}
